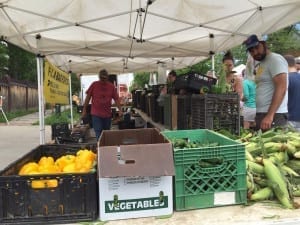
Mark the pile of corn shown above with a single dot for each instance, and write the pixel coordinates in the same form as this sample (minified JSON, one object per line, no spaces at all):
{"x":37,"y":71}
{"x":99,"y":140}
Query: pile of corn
{"x":273,"y":165}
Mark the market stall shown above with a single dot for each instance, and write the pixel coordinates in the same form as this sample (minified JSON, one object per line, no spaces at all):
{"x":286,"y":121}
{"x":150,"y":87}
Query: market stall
{"x":129,"y":36}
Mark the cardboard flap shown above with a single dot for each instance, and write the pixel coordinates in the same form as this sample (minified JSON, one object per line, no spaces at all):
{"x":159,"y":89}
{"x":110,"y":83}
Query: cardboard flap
{"x":131,"y":137}
{"x":136,"y":160}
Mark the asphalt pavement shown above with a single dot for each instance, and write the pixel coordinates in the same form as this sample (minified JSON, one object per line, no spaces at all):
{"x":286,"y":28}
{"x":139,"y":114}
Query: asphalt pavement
{"x":21,"y":136}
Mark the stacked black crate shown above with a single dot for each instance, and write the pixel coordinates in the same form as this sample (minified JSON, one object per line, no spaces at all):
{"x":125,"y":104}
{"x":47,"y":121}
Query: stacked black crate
{"x":143,"y":101}
{"x":216,"y":111}
{"x":148,"y":102}
{"x":137,"y":99}
{"x":155,"y":108}
{"x":160,"y":114}
{"x":183,"y":112}
{"x":167,"y":112}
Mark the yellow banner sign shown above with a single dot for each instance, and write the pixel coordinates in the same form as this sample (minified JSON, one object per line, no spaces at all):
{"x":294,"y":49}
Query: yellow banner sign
{"x":56,"y":85}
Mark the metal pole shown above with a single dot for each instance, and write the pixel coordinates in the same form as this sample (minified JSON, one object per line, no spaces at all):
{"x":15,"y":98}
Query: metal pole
{"x":1,"y":109}
{"x":39,"y":62}
{"x":71,"y":101}
{"x":213,"y":64}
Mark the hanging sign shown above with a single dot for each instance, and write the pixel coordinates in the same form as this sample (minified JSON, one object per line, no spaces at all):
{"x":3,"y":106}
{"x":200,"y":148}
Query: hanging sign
{"x":56,"y":85}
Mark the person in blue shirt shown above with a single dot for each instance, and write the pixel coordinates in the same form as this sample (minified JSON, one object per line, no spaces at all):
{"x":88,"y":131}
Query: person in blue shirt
{"x":294,"y":93}
{"x":249,"y":107}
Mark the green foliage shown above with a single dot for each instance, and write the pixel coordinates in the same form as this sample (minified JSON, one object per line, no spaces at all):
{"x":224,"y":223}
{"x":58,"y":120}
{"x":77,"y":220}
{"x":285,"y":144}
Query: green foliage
{"x":63,"y":117}
{"x":3,"y":59}
{"x":201,"y":67}
{"x":139,"y":80}
{"x":239,"y":53}
{"x":12,"y":115}
{"x":75,"y":83}
{"x":22,"y":64}
{"x":284,"y":40}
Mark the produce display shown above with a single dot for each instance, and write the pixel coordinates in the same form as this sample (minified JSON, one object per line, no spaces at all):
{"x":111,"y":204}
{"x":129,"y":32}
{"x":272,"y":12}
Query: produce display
{"x":273,"y":165}
{"x":83,"y":162}
{"x":182,"y":143}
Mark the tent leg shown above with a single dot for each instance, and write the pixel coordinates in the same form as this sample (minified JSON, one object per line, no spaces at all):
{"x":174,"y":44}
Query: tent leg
{"x":3,"y":113}
{"x":39,"y":62}
{"x":71,"y":101}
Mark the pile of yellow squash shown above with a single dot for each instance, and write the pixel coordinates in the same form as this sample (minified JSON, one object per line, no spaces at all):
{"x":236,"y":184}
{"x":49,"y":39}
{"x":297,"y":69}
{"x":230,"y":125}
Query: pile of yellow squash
{"x":83,"y":161}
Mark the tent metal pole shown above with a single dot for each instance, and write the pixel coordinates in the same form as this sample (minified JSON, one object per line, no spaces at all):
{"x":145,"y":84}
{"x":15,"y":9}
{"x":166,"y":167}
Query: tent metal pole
{"x":39,"y":62}
{"x":71,"y":101}
{"x":213,"y":64}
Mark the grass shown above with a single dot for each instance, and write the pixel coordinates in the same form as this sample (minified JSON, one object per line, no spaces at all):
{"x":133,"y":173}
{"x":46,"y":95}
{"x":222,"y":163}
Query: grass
{"x":63,"y":117}
{"x":12,"y":115}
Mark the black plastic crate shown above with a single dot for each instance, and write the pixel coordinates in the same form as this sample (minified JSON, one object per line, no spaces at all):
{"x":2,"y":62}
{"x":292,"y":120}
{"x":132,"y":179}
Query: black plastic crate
{"x":154,"y":109}
{"x":155,"y":89}
{"x":136,"y":98}
{"x":124,"y":124}
{"x":167,"y":111}
{"x":74,"y":199}
{"x":143,"y":103}
{"x":160,"y":114}
{"x":60,"y":130}
{"x":183,"y":112}
{"x":79,"y":108}
{"x":182,"y":82}
{"x":197,"y":81}
{"x":216,"y":111}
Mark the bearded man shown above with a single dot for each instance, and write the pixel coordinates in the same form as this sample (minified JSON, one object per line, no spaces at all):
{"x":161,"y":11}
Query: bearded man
{"x":271,"y":79}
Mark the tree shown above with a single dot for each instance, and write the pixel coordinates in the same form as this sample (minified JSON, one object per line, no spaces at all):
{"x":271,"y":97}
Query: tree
{"x":285,"y":41}
{"x":139,"y":80}
{"x":3,"y":59}
{"x":22,"y":64}
{"x":75,"y":83}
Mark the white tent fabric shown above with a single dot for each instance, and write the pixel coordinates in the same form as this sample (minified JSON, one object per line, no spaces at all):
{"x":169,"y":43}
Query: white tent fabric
{"x":134,"y":35}
{"x":125,"y":36}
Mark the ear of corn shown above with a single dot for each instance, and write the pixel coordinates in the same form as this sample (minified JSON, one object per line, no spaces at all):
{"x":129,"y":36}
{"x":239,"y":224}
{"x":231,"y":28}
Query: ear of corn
{"x":289,"y":171}
{"x":276,"y":165}
{"x":279,"y":185}
{"x":297,"y":155}
{"x":261,"y":181}
{"x":271,"y":147}
{"x":249,"y":156}
{"x":291,"y":149}
{"x":262,"y":194}
{"x":279,"y":157}
{"x":254,"y":167}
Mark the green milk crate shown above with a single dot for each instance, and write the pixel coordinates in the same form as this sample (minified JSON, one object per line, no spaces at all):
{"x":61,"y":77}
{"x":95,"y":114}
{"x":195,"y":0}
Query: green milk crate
{"x":208,"y":176}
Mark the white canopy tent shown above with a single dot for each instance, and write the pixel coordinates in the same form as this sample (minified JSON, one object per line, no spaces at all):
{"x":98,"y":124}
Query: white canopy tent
{"x":125,"y":36}
{"x":134,"y":35}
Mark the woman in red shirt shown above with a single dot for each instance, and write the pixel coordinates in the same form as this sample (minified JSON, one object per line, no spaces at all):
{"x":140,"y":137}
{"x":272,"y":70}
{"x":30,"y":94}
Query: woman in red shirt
{"x":101,"y":93}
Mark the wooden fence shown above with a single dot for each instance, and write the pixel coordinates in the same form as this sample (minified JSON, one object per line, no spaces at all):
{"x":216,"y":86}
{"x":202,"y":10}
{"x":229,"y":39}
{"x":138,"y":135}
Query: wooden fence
{"x":18,"y":95}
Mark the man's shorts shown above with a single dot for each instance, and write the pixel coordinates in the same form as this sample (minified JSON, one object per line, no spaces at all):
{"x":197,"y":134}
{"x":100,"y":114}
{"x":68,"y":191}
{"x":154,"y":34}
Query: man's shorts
{"x":249,"y":114}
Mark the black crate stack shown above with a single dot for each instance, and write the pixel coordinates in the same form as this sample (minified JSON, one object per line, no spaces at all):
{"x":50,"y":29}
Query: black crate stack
{"x":137,"y":98}
{"x":153,"y":107}
{"x":167,"y":111}
{"x":183,"y":112}
{"x":216,"y":111}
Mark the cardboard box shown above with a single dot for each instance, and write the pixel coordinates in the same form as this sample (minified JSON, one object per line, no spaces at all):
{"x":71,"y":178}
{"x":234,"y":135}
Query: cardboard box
{"x":136,"y":169}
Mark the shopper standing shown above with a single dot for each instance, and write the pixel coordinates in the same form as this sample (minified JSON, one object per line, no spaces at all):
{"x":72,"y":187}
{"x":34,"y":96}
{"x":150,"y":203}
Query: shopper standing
{"x":101,"y":93}
{"x":249,"y":107}
{"x":271,"y":78}
{"x":234,"y":81}
{"x":294,"y":93}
